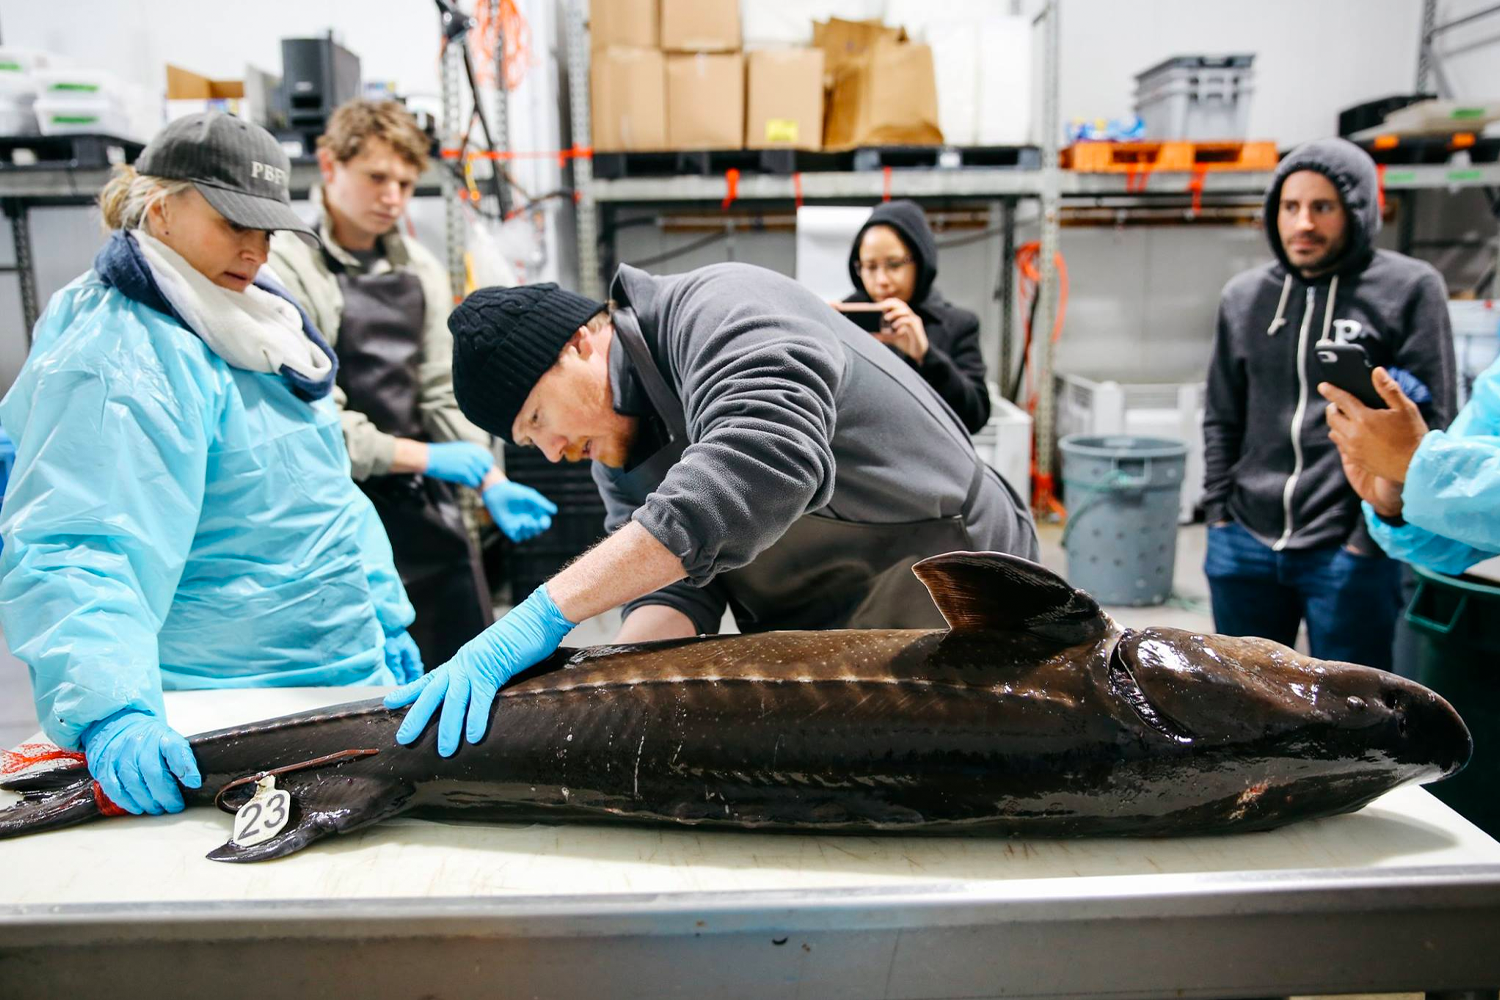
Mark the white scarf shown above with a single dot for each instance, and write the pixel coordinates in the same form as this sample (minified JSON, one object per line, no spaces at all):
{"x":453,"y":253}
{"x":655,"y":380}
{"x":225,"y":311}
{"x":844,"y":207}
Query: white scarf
{"x":254,"y":329}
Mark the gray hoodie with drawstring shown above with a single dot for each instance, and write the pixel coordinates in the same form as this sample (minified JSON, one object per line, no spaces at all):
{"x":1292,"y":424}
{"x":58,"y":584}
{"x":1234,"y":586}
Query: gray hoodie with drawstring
{"x":1269,"y":462}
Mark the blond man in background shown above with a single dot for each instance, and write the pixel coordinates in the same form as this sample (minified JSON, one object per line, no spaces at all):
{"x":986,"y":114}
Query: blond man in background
{"x":383,"y":301}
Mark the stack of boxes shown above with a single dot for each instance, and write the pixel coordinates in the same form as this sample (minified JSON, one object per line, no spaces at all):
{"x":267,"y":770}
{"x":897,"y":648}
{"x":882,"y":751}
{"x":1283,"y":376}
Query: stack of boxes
{"x":705,"y":74}
{"x":670,"y":75}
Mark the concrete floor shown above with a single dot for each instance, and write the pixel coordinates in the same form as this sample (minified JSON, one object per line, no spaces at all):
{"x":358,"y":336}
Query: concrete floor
{"x":1188,"y":609}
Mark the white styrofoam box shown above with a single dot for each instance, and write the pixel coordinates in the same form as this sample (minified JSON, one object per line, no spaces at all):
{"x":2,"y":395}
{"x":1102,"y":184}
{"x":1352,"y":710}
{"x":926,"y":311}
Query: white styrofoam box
{"x":18,"y":117}
{"x":18,"y":71}
{"x":81,"y":85}
{"x":1476,"y":339}
{"x":824,"y":235}
{"x":1005,"y":82}
{"x":955,"y":64}
{"x":771,"y":23}
{"x":1005,"y":442}
{"x":982,"y":64}
{"x":1442,"y":117}
{"x":916,"y":16}
{"x":1168,"y":410}
{"x":71,"y":117}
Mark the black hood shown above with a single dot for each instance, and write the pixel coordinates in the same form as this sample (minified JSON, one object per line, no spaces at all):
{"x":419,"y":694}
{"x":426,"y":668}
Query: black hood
{"x":910,"y":223}
{"x":1354,"y":176}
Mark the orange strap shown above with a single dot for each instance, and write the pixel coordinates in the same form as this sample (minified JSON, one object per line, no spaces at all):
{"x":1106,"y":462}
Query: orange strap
{"x":1196,"y":186}
{"x":797,"y":187}
{"x":885,"y":184}
{"x":731,"y":187}
{"x":1380,"y":186}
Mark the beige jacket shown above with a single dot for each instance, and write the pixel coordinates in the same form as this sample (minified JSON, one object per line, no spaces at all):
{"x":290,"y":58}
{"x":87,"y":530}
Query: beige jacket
{"x":307,"y":276}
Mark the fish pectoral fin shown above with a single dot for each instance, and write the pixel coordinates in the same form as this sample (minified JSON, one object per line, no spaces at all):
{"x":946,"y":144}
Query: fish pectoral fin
{"x":323,"y":805}
{"x":995,"y":592}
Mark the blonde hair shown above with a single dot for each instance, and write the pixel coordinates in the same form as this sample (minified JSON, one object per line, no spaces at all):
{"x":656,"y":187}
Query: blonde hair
{"x":128,"y":196}
{"x":602,"y":318}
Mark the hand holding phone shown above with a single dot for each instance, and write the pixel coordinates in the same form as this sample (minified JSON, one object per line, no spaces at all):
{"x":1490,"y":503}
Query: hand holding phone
{"x":1346,"y":366}
{"x":868,"y":316}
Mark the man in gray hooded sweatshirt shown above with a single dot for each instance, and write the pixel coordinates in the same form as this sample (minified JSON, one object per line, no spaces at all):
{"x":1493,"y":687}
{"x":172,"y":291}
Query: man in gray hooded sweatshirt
{"x":1286,"y":540}
{"x":755,"y":450}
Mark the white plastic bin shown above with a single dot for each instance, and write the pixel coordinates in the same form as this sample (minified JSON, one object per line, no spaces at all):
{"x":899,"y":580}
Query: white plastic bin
{"x":1005,"y":442}
{"x":1162,"y":410}
{"x":1476,"y":339}
{"x":1196,"y":97}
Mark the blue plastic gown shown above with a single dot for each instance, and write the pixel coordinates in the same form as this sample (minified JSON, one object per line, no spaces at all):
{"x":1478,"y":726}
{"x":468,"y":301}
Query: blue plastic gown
{"x":172,"y":522}
{"x":1451,"y":499}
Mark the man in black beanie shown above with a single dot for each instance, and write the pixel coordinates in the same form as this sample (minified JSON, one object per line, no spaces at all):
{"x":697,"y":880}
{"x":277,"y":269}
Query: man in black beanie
{"x":755,"y":450}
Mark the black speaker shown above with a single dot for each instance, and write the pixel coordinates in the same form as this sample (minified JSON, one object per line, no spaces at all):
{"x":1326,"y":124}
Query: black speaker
{"x":317,"y":75}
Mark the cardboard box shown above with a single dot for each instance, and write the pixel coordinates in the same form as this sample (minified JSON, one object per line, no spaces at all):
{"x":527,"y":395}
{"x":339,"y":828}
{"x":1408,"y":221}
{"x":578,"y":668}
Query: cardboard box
{"x":629,"y":100}
{"x":847,"y":42}
{"x":705,"y":101}
{"x":887,"y":97}
{"x":700,"y":25}
{"x":189,"y":93}
{"x":628,"y":23}
{"x":784,"y":99}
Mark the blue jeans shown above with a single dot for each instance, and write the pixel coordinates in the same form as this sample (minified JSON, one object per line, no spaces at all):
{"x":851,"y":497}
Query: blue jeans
{"x":1350,"y":601}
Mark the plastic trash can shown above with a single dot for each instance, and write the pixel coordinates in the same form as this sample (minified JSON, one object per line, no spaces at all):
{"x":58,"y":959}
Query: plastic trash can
{"x":1123,"y":494}
{"x":1457,"y":625}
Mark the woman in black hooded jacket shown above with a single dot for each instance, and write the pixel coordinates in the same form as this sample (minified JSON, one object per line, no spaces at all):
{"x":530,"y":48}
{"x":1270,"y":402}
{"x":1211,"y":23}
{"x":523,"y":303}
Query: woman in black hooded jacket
{"x":893,"y":262}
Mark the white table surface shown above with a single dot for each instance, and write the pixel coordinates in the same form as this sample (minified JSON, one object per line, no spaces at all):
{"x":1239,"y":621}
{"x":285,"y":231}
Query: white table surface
{"x":161,"y":858}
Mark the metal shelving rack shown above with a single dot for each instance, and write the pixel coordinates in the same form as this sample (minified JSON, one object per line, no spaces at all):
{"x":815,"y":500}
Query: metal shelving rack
{"x":1003,"y":188}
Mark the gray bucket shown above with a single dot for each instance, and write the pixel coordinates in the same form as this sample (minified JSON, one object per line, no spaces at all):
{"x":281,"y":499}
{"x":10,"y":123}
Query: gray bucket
{"x":1122,"y":494}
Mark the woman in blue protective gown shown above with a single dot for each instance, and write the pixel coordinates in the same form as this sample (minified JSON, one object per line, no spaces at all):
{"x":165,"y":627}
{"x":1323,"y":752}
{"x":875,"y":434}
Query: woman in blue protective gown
{"x":180,"y":514}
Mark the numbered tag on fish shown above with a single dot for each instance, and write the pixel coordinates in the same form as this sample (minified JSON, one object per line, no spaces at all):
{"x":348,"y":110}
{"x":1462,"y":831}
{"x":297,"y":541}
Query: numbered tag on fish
{"x":264,"y":816}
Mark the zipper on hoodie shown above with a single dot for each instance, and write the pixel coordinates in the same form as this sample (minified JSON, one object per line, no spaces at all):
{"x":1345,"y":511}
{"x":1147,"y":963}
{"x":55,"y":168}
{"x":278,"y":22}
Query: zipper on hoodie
{"x":1297,"y":415}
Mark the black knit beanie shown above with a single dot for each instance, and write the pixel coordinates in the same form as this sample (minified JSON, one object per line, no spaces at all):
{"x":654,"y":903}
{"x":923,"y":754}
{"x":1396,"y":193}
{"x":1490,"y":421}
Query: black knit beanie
{"x":504,"y":340}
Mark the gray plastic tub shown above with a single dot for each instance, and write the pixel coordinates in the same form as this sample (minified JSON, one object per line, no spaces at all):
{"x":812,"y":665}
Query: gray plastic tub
{"x":1122,"y":494}
{"x":1197,"y":97}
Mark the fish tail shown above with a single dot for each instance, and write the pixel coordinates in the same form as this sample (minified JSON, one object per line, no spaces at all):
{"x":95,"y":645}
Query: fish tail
{"x":38,"y":811}
{"x":56,"y":790}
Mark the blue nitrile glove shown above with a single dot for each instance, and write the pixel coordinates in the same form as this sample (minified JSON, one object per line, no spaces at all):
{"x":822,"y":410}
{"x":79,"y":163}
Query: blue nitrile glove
{"x":519,"y":511}
{"x":134,"y":757}
{"x":459,"y":462}
{"x":403,"y":657}
{"x":1415,"y":389}
{"x":468,"y":683}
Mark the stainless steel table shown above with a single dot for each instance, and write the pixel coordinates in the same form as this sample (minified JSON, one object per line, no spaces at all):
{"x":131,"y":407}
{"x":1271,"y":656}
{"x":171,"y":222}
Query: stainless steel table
{"x":1404,"y":895}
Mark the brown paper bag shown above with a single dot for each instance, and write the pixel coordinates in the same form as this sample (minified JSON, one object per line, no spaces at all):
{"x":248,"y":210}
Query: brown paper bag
{"x":844,"y":42}
{"x":885,"y":97}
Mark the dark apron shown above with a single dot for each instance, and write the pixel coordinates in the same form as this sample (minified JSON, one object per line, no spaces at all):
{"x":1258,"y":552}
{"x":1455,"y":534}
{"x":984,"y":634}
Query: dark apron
{"x":380,"y":354}
{"x":823,"y":572}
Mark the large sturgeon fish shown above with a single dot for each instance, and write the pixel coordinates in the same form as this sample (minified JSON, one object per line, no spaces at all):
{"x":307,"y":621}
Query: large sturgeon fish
{"x":1034,"y":715}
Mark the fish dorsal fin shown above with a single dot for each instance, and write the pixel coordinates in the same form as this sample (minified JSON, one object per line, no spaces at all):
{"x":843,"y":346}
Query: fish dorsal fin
{"x":995,"y":592}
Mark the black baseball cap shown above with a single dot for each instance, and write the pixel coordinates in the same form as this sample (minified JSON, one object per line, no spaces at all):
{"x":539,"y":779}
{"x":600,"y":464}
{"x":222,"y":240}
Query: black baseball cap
{"x":238,"y":167}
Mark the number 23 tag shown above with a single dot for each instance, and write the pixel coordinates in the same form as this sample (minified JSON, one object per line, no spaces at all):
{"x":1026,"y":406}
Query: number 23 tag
{"x":264,"y":816}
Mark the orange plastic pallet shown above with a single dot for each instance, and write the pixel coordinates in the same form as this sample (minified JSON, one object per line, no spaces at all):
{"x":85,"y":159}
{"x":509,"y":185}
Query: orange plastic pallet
{"x":1134,"y":157}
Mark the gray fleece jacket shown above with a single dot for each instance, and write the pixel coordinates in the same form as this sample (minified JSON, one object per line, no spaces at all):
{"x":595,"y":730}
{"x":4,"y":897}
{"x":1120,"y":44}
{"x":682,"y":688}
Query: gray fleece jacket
{"x":790,"y":409}
{"x":1269,"y":462}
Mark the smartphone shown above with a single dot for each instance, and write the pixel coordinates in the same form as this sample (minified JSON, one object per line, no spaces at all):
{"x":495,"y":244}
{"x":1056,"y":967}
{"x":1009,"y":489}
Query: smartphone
{"x":1346,"y":366}
{"x":868,"y":316}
